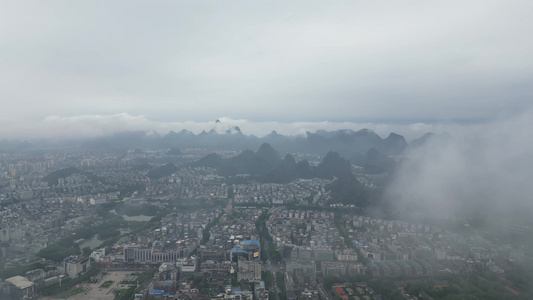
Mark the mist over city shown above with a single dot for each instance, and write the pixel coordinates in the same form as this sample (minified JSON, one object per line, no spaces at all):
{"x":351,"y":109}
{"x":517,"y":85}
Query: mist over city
{"x":266,"y":150}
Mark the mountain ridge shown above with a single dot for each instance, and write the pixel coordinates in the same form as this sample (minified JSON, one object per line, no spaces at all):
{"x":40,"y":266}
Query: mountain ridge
{"x":346,"y":142}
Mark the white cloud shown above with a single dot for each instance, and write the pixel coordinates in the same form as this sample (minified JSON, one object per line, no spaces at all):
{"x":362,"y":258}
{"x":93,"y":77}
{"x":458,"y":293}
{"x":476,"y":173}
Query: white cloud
{"x":86,"y":126}
{"x":484,"y":168}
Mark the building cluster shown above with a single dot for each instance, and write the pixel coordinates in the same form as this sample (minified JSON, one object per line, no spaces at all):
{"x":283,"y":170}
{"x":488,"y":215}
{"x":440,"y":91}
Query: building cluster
{"x":211,"y":252}
{"x":27,"y":286}
{"x":311,"y":247}
{"x":225,"y":265}
{"x":302,"y":192}
{"x":402,"y":249}
{"x":179,"y":235}
{"x":28,"y":227}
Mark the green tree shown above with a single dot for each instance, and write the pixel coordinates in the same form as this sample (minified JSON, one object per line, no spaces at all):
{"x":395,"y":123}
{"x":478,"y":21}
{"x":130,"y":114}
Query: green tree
{"x":86,"y":251}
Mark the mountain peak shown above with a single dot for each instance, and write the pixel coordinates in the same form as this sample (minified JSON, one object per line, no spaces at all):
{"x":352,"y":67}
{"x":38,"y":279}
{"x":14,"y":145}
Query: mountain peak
{"x":265,"y":147}
{"x":394,"y":144}
{"x":267,"y":152}
{"x":234,"y":130}
{"x":394,"y":135}
{"x":334,"y":165}
{"x":289,"y":159}
{"x":184,"y":131}
{"x":366,"y":132}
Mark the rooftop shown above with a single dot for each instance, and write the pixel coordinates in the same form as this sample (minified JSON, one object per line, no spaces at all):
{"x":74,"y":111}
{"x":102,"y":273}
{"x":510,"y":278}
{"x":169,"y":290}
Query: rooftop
{"x":20,"y":282}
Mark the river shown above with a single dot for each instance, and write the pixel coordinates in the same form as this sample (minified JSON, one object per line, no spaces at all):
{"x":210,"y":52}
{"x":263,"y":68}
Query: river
{"x":141,"y":218}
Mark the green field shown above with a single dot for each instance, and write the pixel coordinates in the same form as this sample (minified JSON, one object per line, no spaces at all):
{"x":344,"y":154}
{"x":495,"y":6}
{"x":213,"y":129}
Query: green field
{"x":107,"y":284}
{"x":70,"y":293}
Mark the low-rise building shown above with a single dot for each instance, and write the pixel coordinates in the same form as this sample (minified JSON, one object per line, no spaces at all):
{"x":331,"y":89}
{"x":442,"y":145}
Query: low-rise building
{"x":21,"y":287}
{"x":76,"y":266}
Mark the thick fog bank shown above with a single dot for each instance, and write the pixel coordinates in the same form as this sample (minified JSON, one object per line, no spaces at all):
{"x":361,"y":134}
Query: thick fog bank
{"x":482,"y":171}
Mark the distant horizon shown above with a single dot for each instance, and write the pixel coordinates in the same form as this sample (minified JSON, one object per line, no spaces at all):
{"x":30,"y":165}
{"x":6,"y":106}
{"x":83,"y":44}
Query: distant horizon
{"x":92,"y":68}
{"x":92,"y":89}
{"x":95,"y":126}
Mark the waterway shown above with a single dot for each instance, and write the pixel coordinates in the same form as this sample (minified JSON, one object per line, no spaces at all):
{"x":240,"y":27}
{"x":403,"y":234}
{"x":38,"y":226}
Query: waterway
{"x":92,"y":243}
{"x":141,"y":218}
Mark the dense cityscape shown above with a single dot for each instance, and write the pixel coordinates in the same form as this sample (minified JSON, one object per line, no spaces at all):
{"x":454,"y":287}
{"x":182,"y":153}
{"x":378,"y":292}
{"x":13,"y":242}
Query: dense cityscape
{"x":115,"y":225}
{"x":253,"y":150}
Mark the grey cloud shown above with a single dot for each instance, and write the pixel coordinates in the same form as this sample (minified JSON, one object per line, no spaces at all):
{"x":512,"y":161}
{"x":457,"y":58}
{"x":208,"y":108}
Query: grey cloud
{"x":281,"y":61}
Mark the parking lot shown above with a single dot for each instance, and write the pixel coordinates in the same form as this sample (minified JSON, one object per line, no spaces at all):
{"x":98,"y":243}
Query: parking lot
{"x":95,"y":291}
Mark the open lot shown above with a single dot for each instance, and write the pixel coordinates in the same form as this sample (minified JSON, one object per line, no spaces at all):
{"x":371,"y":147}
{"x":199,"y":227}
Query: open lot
{"x":95,"y":291}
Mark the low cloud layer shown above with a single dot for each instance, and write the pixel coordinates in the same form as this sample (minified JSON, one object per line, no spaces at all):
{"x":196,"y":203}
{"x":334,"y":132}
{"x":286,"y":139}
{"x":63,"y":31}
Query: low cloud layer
{"x":482,"y":170}
{"x":88,"y":126}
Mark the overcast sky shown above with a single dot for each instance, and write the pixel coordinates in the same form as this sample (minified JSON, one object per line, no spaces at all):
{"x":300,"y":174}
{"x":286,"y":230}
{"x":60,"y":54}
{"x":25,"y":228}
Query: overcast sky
{"x":102,"y":66}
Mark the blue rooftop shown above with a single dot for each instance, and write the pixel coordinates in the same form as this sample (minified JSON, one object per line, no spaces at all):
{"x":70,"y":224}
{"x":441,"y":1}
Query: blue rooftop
{"x":249,"y":242}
